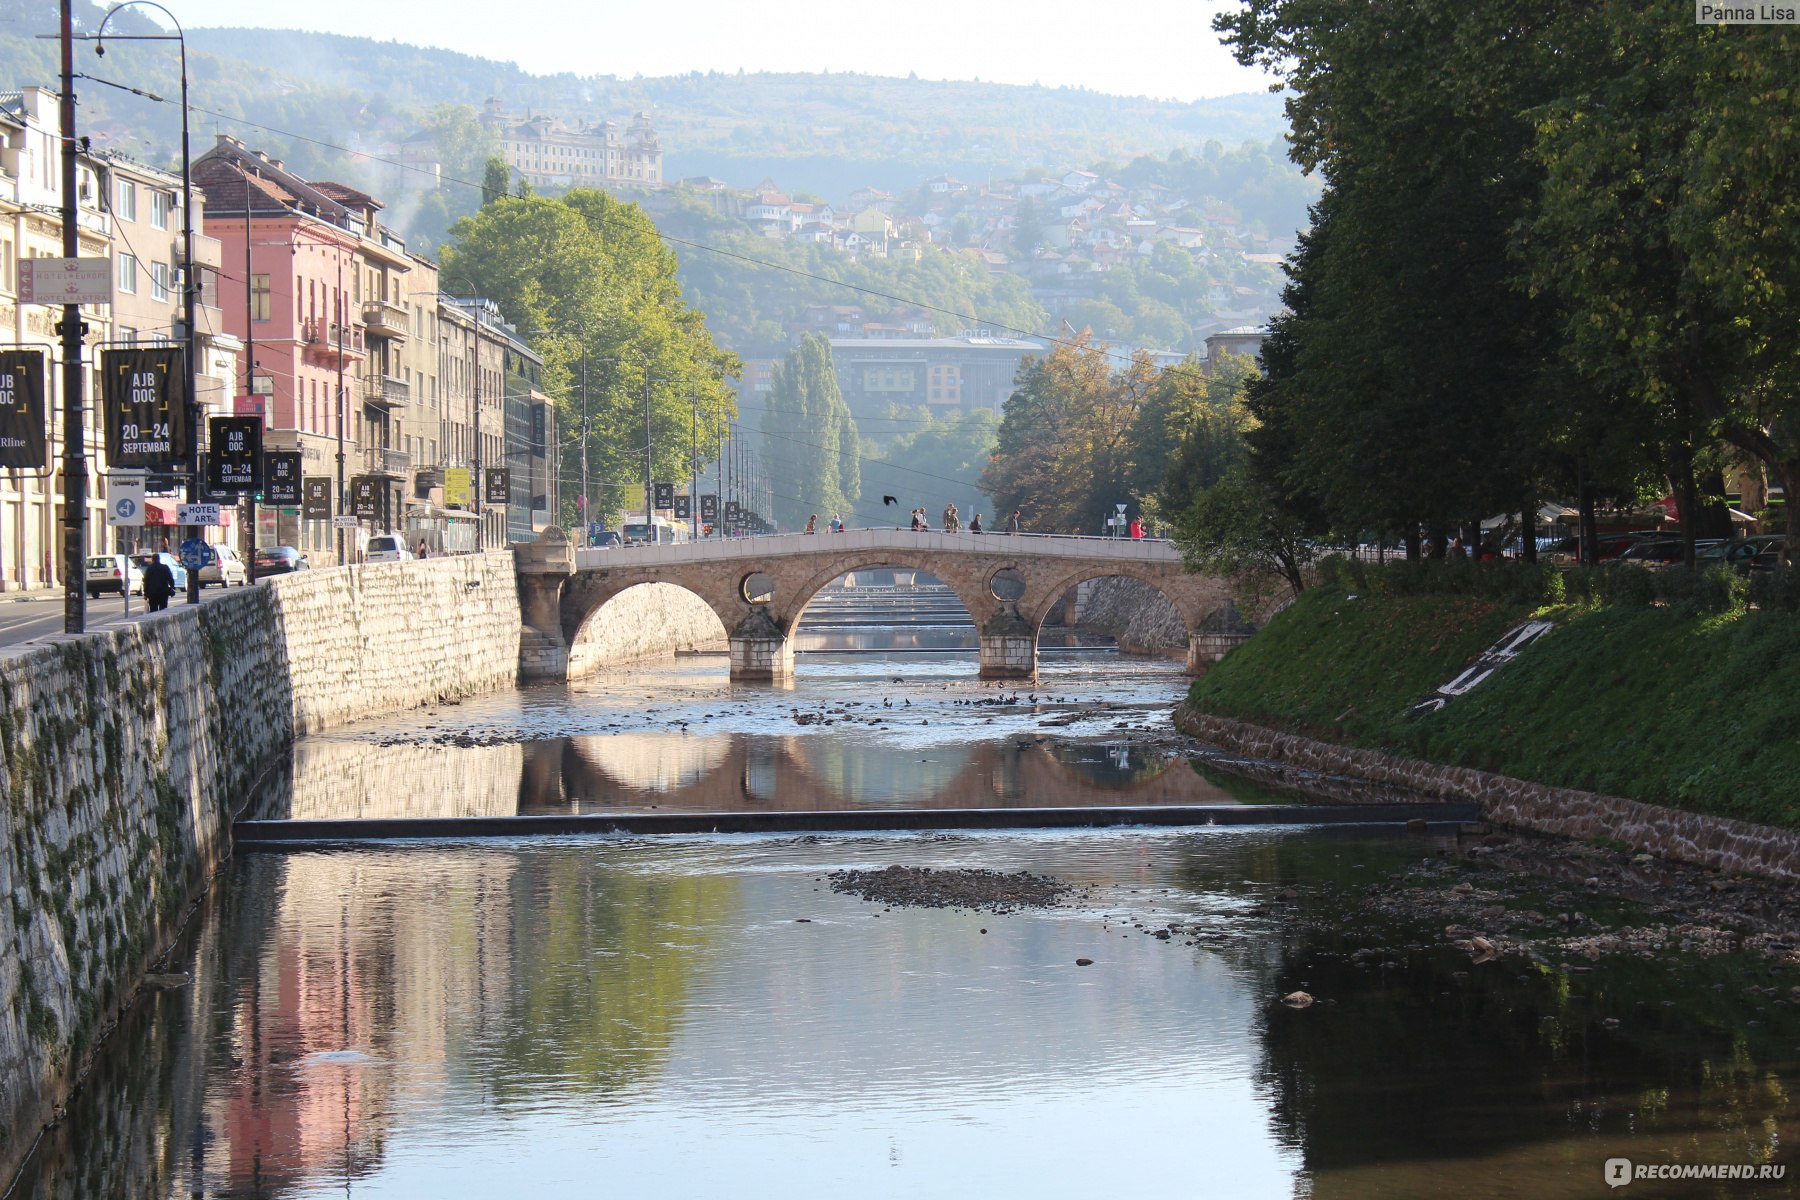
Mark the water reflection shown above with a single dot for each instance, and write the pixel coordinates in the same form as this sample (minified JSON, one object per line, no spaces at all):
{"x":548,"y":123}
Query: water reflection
{"x":674,"y":1017}
{"x":330,"y":778}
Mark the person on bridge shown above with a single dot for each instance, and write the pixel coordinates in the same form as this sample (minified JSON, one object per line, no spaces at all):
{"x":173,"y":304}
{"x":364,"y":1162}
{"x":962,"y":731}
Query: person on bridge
{"x":1017,"y":524}
{"x":1137,"y":529}
{"x":159,"y":584}
{"x":424,"y":550}
{"x":951,"y":523}
{"x":811,"y":523}
{"x":975,"y":523}
{"x":837,"y":523}
{"x":918,"y":520}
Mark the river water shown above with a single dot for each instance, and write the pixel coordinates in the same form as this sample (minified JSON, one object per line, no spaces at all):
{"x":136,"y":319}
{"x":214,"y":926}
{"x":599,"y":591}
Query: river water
{"x":705,"y":1016}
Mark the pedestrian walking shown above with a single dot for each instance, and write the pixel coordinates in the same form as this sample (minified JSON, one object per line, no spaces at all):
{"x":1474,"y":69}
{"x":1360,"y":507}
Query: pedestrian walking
{"x":837,"y":523}
{"x":975,"y":523}
{"x":951,"y":523}
{"x":424,"y":550}
{"x":1137,"y":529}
{"x":159,"y":584}
{"x":1016,"y":524}
{"x":811,"y":523}
{"x":918,"y":520}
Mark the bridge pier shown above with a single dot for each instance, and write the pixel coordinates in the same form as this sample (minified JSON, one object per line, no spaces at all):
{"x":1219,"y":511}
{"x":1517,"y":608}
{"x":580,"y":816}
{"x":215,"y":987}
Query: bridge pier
{"x":1205,"y":649}
{"x":1008,"y":646}
{"x":759,"y":650}
{"x":541,"y":567}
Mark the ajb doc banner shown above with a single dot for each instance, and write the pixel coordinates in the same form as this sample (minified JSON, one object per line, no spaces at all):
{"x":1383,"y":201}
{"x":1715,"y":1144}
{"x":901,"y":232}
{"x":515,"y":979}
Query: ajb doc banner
{"x":143,"y":392}
{"x":22,"y":442}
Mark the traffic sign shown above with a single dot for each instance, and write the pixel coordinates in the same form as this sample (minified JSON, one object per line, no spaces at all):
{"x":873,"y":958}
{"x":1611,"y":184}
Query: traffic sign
{"x":125,"y":498}
{"x":65,"y":280}
{"x":345,"y":522}
{"x":195,"y":553}
{"x":197,"y":514}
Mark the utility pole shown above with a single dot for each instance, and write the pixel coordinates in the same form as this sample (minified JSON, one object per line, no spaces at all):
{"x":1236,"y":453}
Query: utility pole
{"x":337,"y":333}
{"x":649,"y":459}
{"x":75,"y":473}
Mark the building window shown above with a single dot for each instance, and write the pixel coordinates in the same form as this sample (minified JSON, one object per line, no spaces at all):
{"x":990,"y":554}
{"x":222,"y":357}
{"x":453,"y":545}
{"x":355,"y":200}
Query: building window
{"x":161,"y":205}
{"x":125,"y":202}
{"x":159,"y":281}
{"x":260,"y":299}
{"x":128,"y":274}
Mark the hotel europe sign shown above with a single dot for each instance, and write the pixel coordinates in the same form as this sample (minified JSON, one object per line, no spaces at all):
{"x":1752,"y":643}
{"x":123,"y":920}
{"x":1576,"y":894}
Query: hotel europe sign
{"x":22,"y":443}
{"x":143,"y":391}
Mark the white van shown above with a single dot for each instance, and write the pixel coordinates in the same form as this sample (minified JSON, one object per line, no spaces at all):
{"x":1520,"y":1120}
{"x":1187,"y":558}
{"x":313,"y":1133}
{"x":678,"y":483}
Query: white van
{"x":387,"y":547}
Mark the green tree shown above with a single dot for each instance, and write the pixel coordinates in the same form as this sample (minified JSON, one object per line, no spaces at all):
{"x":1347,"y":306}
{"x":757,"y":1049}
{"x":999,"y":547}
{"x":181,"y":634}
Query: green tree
{"x":809,"y":440}
{"x":496,"y":180}
{"x":589,"y":270}
{"x":1238,"y":527}
{"x":1064,"y":454}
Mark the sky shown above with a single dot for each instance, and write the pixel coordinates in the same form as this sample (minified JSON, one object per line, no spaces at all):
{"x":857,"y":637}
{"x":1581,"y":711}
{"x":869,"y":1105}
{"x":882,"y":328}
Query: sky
{"x":1160,"y":48}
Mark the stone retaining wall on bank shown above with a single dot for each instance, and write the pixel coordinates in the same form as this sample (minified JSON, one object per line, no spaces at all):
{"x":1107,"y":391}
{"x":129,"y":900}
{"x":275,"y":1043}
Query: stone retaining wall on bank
{"x":123,"y":754}
{"x":644,"y":621}
{"x":1717,"y":842}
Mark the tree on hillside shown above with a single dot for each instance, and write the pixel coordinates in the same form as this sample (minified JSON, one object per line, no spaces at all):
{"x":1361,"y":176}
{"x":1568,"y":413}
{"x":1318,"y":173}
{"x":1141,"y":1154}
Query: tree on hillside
{"x":588,"y":270}
{"x":1028,"y":227}
{"x":496,"y":180}
{"x":809,"y":441}
{"x":1064,"y":453}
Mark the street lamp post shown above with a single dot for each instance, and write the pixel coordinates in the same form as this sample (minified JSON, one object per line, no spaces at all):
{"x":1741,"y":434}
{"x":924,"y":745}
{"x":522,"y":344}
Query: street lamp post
{"x":190,"y":281}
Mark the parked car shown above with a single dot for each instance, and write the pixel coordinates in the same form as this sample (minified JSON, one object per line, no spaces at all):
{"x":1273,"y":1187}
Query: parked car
{"x":278,"y":560}
{"x":140,"y":561}
{"x":387,"y":547}
{"x":1746,"y":554}
{"x":1664,"y":550}
{"x":225,"y":569}
{"x":112,"y":573}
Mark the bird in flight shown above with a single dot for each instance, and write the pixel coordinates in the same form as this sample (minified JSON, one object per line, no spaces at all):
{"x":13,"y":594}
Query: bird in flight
{"x":889,"y":500}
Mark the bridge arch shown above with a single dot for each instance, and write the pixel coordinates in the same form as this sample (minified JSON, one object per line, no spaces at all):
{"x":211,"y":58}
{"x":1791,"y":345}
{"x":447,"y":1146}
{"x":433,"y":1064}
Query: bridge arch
{"x":807,"y":589}
{"x":592,"y":640}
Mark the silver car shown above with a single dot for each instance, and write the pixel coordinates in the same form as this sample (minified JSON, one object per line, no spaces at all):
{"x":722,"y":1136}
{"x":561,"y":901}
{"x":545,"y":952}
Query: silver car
{"x":225,"y":569}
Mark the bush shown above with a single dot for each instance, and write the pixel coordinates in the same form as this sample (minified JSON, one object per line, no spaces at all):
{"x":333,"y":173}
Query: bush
{"x":1777,"y":589}
{"x":1717,"y":590}
{"x":1626,"y":584}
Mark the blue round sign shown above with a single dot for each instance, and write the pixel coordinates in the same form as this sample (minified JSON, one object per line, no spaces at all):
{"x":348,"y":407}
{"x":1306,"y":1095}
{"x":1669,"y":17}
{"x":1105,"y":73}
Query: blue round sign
{"x":195,"y":554}
{"x":126,"y":508}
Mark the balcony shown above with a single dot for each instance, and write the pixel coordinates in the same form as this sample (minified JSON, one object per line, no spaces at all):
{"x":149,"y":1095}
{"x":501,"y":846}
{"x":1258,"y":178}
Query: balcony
{"x":325,"y":341}
{"x":384,"y":319}
{"x":378,"y":460}
{"x":385,"y":391}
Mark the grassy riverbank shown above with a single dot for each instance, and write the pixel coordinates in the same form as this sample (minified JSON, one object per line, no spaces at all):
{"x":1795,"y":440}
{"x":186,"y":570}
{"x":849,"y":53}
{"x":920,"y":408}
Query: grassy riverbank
{"x":1668,"y":704}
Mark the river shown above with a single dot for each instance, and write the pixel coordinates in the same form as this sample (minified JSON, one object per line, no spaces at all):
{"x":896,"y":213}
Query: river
{"x":705,"y":1015}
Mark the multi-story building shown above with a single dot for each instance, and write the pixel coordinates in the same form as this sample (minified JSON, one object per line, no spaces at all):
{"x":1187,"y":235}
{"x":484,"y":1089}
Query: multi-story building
{"x":546,"y":153}
{"x":963,"y":373}
{"x":480,"y":355}
{"x":131,"y":214}
{"x":324,"y":318}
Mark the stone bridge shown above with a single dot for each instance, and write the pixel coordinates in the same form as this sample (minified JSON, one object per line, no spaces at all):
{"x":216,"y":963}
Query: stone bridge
{"x":760,"y":587}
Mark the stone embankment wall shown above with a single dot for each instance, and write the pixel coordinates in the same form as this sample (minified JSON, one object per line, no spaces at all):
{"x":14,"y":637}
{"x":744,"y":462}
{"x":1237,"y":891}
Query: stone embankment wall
{"x":644,"y":621}
{"x":1136,"y":615}
{"x":1717,"y":842}
{"x":124,"y":753}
